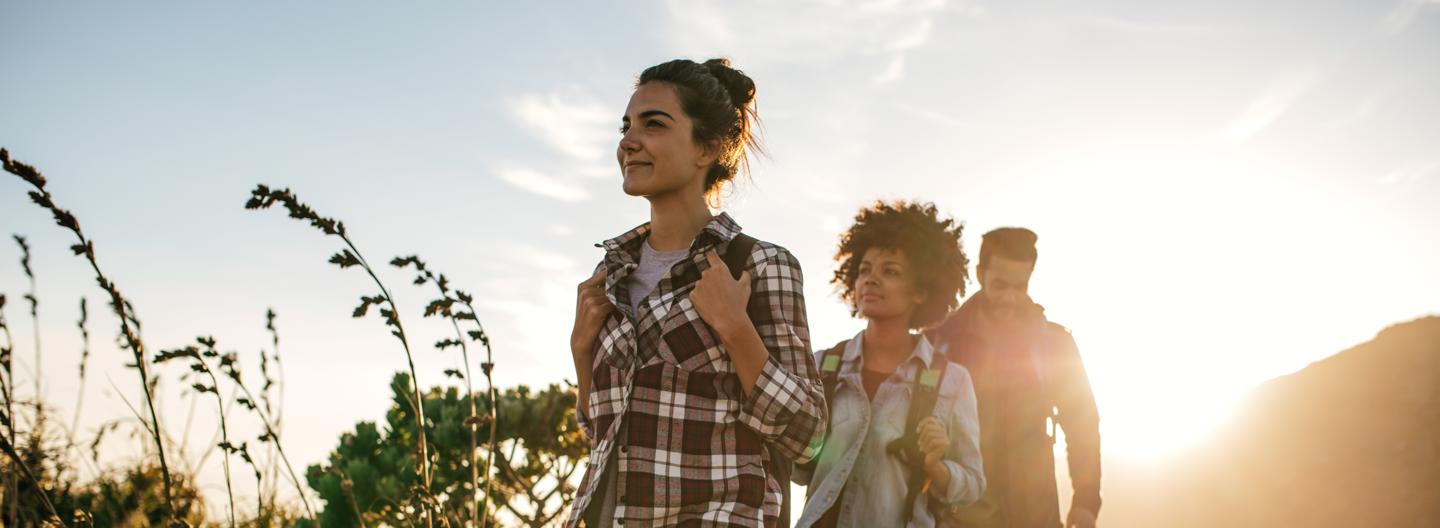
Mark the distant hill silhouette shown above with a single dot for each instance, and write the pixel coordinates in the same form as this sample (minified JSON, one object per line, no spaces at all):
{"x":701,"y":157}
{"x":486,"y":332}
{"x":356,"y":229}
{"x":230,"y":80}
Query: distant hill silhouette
{"x":1350,"y":441}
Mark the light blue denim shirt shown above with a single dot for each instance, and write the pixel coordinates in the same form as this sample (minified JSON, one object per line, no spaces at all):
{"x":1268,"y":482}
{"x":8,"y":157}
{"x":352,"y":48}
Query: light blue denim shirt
{"x":854,"y":458}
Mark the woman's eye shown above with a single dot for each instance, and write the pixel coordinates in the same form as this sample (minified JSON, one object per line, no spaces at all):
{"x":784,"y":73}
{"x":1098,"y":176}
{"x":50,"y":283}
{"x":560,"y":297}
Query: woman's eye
{"x":654,"y":124}
{"x":624,"y":128}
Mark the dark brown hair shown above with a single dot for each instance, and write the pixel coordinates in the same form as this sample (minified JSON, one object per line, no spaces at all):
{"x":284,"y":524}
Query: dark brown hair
{"x":1014,"y":243}
{"x":721,"y":102}
{"x":930,"y":244}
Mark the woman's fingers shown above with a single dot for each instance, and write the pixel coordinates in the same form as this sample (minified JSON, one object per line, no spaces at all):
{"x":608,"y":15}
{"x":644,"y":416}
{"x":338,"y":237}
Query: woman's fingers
{"x":930,"y":424}
{"x":596,"y":282}
{"x":716,"y":263}
{"x":589,"y":288}
{"x":933,"y":441}
{"x":718,"y":297}
{"x":591,"y":308}
{"x":591,"y":304}
{"x":596,"y":304}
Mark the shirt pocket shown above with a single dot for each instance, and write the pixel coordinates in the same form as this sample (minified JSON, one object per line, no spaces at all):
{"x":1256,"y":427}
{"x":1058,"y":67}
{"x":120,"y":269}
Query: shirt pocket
{"x":847,"y":406}
{"x":890,"y":410}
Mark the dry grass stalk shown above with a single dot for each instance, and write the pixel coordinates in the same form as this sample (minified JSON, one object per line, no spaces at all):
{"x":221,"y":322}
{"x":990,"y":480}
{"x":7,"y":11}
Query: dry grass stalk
{"x":199,"y":365}
{"x":277,"y":408}
{"x":34,"y":301}
{"x":448,"y":306}
{"x":230,"y":367}
{"x":129,"y":323}
{"x":263,"y":197}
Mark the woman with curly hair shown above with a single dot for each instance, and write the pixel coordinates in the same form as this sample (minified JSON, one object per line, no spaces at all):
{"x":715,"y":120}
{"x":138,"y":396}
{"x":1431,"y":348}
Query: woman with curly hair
{"x":696,"y":384}
{"x":901,"y":268}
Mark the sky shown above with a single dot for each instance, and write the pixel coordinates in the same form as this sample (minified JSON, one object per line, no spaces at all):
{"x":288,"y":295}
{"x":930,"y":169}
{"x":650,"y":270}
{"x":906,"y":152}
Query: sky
{"x":1224,"y":191}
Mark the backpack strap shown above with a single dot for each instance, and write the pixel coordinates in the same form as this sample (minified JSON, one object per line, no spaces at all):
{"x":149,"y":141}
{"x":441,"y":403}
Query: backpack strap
{"x":924,"y":393}
{"x":737,"y":253}
{"x":829,"y":378}
{"x":830,"y":369}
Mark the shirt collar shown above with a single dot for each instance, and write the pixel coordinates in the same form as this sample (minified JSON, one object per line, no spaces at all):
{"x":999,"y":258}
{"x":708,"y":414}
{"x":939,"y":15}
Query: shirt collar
{"x":722,"y":227}
{"x":923,"y":353}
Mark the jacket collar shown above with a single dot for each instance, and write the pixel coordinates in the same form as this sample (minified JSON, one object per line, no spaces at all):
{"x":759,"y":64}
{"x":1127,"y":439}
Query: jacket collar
{"x":923,"y":354}
{"x":971,"y":318}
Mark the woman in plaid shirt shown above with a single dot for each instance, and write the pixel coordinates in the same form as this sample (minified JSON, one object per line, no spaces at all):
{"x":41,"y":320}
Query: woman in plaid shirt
{"x":697,"y":390}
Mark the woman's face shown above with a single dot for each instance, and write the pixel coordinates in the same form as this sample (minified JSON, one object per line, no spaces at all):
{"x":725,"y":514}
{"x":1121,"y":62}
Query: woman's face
{"x":885,"y":285}
{"x":658,"y":154}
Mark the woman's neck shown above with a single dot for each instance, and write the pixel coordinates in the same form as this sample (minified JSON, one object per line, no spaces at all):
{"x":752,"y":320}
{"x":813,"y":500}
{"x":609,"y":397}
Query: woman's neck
{"x":887,"y":343}
{"x":676,"y":219}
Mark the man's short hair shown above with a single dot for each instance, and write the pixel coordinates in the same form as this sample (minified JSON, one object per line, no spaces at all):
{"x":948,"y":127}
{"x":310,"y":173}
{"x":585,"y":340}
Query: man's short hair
{"x":1014,"y":243}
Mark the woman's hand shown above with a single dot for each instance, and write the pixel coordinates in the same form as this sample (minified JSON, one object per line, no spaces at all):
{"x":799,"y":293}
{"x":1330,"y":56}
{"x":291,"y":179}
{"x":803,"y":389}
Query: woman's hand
{"x":719,"y":298}
{"x":934,"y":443}
{"x":591,"y":309}
{"x":933,"y":440}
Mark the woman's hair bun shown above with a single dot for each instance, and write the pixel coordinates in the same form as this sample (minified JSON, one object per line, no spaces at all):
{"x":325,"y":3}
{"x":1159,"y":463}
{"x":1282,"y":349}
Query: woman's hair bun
{"x":741,"y":88}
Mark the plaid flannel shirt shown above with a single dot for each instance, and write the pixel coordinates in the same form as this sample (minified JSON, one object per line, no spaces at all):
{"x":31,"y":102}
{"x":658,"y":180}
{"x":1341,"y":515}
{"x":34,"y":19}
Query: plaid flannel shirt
{"x":691,"y":445}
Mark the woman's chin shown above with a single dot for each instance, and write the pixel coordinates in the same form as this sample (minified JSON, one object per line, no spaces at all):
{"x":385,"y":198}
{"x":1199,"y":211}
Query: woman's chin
{"x":878,"y":313}
{"x":629,"y":184}
{"x":643,"y":186}
{"x":633,"y":188}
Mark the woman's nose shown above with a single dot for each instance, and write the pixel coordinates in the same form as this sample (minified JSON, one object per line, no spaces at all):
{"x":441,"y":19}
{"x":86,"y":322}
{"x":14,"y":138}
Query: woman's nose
{"x":628,"y":144}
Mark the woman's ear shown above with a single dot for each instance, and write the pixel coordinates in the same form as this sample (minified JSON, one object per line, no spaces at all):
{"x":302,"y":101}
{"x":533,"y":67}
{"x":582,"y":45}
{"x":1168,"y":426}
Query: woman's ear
{"x":709,"y":155}
{"x":921,"y":296}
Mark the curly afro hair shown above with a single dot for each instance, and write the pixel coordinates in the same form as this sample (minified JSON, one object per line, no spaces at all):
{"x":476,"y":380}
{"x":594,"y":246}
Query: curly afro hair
{"x":931,"y":244}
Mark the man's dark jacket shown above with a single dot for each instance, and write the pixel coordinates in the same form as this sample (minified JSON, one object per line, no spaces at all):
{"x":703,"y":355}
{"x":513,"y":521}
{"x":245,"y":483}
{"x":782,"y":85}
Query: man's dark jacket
{"x":1022,"y":375}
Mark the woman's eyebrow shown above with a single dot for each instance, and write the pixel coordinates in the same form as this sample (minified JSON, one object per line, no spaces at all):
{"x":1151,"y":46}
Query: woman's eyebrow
{"x":651,"y":113}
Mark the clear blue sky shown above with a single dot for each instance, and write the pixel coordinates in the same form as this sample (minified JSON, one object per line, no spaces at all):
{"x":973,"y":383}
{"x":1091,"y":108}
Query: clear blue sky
{"x":1224,"y":190}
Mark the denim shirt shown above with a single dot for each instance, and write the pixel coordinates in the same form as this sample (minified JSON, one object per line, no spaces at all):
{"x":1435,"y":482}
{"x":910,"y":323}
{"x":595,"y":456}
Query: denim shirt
{"x":854,"y":459}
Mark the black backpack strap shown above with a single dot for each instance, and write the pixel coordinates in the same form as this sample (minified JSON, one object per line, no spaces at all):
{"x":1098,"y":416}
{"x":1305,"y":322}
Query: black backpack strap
{"x":829,"y":378}
{"x":830,"y":370}
{"x":924,"y":393}
{"x":737,"y":253}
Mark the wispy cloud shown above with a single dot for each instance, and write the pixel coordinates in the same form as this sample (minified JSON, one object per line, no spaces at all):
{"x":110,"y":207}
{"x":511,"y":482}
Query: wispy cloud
{"x":531,"y":258}
{"x":543,"y":184}
{"x":917,"y":36}
{"x":1269,"y":106}
{"x":1128,"y":25}
{"x":1411,"y":173}
{"x":577,"y":128}
{"x":893,"y":72}
{"x":569,"y":121}
{"x":1400,"y":17}
{"x":807,"y":31}
{"x":934,"y":116}
{"x":1363,"y":110}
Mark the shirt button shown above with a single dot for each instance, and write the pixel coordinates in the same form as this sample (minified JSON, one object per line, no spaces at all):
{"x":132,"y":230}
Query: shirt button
{"x":624,"y":450}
